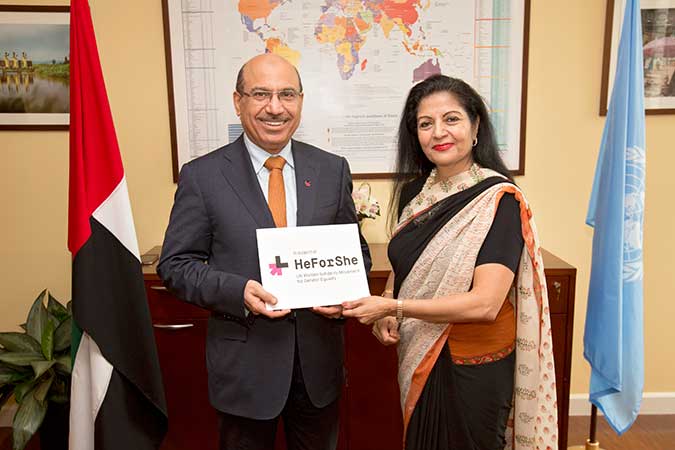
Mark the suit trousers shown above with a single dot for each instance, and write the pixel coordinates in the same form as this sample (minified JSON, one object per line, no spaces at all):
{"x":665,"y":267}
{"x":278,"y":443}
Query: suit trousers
{"x":306,"y":426}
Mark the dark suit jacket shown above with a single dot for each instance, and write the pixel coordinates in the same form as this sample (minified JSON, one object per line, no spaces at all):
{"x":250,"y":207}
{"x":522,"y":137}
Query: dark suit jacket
{"x":210,"y":252}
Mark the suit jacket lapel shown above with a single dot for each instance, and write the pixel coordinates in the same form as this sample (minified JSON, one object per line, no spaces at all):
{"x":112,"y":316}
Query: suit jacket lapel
{"x":238,"y":171}
{"x":306,"y":182}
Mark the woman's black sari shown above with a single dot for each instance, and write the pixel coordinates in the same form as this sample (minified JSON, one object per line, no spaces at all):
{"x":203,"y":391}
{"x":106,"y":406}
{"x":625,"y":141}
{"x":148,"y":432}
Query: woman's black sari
{"x":462,"y":407}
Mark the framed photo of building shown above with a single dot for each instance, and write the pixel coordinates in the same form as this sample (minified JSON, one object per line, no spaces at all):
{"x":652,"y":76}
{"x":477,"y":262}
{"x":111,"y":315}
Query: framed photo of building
{"x":658,"y":51}
{"x":34,"y":67}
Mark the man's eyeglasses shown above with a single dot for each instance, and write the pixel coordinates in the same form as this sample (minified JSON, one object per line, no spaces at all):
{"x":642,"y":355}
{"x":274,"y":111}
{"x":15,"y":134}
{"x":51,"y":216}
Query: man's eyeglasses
{"x":263,"y":96}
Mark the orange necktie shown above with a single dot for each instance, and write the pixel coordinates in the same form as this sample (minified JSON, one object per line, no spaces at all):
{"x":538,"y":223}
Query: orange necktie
{"x":276,"y":193}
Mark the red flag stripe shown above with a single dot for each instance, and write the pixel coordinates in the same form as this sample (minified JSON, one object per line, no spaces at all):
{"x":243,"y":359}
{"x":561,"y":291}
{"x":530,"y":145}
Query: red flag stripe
{"x":95,"y":161}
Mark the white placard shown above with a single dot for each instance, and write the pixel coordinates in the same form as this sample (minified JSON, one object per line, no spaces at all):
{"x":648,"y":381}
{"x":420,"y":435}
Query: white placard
{"x":312,"y":266}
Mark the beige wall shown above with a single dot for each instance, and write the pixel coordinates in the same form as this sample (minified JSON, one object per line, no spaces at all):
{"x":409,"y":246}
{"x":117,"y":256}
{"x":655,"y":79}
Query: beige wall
{"x":563,"y":133}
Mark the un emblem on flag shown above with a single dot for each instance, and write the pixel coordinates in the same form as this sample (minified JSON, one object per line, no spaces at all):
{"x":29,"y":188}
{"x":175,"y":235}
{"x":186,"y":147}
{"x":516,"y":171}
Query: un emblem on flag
{"x":634,"y":206}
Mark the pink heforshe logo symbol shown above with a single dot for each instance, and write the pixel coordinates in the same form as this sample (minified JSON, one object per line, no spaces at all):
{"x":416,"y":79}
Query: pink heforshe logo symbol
{"x":275,"y":268}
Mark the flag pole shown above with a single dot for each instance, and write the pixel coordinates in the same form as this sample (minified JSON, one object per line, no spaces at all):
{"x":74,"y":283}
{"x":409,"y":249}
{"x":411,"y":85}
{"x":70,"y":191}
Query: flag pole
{"x":591,"y":443}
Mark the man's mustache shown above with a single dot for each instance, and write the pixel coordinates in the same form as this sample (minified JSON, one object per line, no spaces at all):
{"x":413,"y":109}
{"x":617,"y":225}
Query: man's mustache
{"x":274,"y":118}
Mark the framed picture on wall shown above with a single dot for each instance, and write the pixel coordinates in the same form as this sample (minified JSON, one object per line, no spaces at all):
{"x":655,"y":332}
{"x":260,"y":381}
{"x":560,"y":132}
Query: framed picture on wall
{"x":658,"y":51}
{"x":357,"y":66}
{"x":34,"y":67}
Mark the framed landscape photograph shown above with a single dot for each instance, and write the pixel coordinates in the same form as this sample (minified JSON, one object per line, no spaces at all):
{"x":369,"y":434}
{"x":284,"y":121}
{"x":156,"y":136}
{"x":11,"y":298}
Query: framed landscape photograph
{"x":658,"y":51}
{"x":34,"y":67}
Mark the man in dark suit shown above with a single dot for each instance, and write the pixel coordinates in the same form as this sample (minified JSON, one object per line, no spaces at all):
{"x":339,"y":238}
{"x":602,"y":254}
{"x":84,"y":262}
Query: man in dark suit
{"x":262,"y":364}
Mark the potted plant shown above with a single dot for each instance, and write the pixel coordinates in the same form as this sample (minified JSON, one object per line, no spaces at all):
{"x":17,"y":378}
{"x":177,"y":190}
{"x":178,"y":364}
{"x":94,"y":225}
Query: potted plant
{"x":35,"y":367}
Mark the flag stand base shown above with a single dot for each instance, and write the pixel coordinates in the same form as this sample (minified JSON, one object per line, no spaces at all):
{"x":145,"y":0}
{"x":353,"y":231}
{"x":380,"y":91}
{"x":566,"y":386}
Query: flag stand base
{"x":589,"y":446}
{"x":591,"y":442}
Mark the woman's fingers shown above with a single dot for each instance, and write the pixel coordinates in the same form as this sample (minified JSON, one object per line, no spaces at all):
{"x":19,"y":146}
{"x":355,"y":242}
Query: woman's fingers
{"x":353,"y":303}
{"x":367,"y":309}
{"x":349,"y":312}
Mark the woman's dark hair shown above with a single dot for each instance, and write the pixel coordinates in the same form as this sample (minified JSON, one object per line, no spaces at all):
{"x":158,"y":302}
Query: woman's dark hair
{"x":411,"y":163}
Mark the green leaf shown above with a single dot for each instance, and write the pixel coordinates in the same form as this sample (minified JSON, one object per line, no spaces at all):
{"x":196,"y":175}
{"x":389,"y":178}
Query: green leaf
{"x":21,"y":390}
{"x":9,"y":375}
{"x":37,"y":317}
{"x":55,"y":308}
{"x":42,"y":389}
{"x":60,"y":385}
{"x":10,"y":378}
{"x":21,"y":358}
{"x":41,"y":367}
{"x":48,"y":340}
{"x":19,"y":342}
{"x":28,"y":418}
{"x":6,"y":369}
{"x":63,"y":334}
{"x":21,"y":369}
{"x":59,"y":392}
{"x":64,"y":363}
{"x":58,"y":398}
{"x":14,"y":367}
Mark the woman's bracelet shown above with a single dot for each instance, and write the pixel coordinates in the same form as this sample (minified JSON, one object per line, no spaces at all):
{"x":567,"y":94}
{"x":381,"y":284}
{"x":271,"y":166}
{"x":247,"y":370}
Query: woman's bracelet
{"x":399,"y":311}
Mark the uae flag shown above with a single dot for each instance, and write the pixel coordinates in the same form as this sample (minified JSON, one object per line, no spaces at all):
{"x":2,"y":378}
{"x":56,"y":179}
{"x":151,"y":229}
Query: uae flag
{"x":117,"y":398}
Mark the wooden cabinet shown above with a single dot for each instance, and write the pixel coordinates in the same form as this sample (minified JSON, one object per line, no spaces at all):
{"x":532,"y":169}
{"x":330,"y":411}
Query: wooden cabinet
{"x":180,"y":333}
{"x":374,"y":410}
{"x":370,"y":410}
{"x":561,"y":284}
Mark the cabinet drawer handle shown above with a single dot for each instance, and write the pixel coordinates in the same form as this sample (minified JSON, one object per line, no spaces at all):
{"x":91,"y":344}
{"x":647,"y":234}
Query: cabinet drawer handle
{"x":557,"y":286}
{"x":179,"y":326}
{"x":158,"y":288}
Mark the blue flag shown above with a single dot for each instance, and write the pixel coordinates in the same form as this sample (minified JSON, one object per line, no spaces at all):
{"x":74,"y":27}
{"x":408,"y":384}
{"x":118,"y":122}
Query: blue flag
{"x":613,"y":337}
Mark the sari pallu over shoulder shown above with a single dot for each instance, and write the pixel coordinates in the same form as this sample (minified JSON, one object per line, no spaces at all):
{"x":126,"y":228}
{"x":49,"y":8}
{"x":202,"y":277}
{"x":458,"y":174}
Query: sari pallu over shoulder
{"x":445,"y":267}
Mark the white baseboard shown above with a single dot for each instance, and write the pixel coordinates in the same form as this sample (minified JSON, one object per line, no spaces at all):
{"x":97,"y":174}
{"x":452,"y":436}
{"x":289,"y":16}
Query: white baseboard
{"x":7,"y":415}
{"x":652,"y":403}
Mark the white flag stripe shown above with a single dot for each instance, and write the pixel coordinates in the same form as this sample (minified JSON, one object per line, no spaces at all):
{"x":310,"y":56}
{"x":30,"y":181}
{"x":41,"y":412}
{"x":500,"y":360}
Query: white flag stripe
{"x":115,"y":215}
{"x":90,"y":380}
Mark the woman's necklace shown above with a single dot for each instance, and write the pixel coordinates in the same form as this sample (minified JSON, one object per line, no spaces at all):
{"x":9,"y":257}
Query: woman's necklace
{"x":445,"y":185}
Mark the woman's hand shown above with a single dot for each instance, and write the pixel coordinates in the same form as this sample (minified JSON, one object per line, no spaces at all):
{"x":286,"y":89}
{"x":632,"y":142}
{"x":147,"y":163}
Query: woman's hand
{"x":386,"y":331}
{"x":369,"y":309}
{"x":331,"y":312}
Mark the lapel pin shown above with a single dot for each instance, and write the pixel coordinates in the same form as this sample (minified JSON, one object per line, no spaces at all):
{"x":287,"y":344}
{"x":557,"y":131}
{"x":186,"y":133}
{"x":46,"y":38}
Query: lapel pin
{"x":308,"y":183}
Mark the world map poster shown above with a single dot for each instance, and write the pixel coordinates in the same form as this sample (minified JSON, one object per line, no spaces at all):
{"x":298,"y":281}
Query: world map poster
{"x":358,"y":59}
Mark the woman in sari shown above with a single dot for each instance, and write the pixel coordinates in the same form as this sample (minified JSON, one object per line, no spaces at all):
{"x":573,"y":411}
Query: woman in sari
{"x":466,"y":302}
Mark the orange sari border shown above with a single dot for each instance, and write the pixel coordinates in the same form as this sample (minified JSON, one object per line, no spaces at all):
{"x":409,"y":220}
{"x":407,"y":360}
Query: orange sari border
{"x":420,"y":378}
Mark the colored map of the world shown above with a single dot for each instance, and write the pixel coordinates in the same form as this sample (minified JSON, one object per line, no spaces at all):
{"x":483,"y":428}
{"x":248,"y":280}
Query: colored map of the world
{"x":344,"y":26}
{"x":357,"y":58}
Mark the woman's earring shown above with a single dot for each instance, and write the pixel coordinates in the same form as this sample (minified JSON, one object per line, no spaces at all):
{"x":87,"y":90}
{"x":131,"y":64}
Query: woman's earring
{"x":475,"y":141}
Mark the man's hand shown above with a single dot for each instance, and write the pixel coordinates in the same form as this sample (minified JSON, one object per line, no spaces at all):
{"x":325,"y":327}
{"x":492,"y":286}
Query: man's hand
{"x":386,"y":331}
{"x":332,"y":312}
{"x":255,"y":298}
